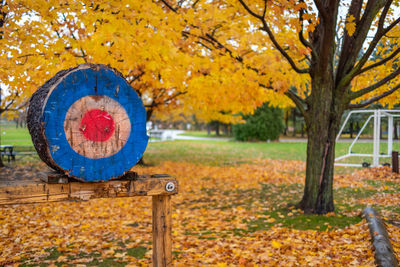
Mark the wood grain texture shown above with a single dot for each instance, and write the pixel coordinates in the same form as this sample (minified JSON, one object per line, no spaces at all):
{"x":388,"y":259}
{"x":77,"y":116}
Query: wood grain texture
{"x":27,"y":193}
{"x":162,"y":224}
{"x":91,"y":149}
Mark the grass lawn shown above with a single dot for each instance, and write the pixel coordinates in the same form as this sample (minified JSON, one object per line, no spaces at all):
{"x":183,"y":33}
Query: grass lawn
{"x":214,"y":152}
{"x":10,"y":135}
{"x":231,"y":152}
{"x":203,"y":134}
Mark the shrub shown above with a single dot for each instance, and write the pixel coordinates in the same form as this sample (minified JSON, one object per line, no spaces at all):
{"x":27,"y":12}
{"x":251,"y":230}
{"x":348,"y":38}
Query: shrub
{"x":265,"y":124}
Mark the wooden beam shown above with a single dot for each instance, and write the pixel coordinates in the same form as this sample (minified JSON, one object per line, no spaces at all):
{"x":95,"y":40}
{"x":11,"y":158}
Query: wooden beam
{"x":162,"y":224}
{"x":27,"y":192}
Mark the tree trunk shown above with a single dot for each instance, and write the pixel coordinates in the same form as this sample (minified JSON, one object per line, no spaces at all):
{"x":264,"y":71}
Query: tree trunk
{"x":149,"y":112}
{"x":294,"y":122}
{"x":318,"y":195}
{"x":217,"y":128}
{"x":351,"y":129}
{"x":285,"y":133}
{"x":225,"y":129}
{"x":1,"y":163}
{"x":323,"y":121}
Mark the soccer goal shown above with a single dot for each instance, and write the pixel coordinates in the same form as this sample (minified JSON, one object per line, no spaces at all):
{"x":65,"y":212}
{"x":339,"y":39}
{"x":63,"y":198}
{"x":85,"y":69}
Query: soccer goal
{"x":375,"y":116}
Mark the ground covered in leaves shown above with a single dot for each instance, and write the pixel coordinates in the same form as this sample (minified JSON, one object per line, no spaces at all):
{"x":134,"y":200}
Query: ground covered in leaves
{"x":240,"y":214}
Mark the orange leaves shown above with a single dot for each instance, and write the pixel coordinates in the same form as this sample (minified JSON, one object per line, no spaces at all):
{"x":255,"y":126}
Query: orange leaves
{"x":228,"y":215}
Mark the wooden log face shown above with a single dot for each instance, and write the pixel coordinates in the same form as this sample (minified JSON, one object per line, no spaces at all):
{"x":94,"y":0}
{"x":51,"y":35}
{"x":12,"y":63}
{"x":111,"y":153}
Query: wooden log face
{"x":89,"y":123}
{"x":97,"y":127}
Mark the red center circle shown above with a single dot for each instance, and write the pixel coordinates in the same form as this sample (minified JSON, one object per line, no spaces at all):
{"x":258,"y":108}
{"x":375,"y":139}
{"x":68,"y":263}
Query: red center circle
{"x":97,"y":125}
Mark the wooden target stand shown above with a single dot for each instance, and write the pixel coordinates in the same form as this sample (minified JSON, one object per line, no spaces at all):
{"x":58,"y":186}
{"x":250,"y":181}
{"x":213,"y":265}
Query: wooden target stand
{"x":60,"y":188}
{"x":89,"y":125}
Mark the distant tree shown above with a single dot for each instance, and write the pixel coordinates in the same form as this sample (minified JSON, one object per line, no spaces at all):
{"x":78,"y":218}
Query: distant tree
{"x":265,"y":124}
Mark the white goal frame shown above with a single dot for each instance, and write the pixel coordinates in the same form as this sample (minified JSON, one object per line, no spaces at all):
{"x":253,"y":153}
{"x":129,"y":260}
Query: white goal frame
{"x":376,"y":115}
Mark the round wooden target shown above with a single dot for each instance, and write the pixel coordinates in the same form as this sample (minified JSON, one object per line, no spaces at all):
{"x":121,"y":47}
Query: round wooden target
{"x":88,"y":122}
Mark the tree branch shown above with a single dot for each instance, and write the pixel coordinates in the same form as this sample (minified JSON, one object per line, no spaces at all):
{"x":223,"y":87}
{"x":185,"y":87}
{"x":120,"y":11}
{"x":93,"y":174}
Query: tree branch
{"x":376,"y":85}
{"x":384,"y":14}
{"x":299,"y":102}
{"x":379,"y":63}
{"x":378,"y":36}
{"x":136,"y":77}
{"x":169,"y":6}
{"x":321,"y":8}
{"x":273,"y":39}
{"x":218,"y":45}
{"x":9,"y":105}
{"x":155,"y":104}
{"x":301,"y":36}
{"x":374,"y":99}
{"x":251,"y":12}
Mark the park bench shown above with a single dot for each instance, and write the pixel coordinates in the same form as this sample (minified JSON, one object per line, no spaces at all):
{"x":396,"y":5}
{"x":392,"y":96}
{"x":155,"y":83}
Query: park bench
{"x":161,"y":135}
{"x":11,"y":151}
{"x":7,"y":151}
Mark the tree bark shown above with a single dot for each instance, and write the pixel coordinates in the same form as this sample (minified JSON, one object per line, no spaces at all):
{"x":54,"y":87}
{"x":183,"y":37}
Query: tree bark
{"x":217,"y":128}
{"x":323,"y":119}
{"x":351,"y":130}
{"x":294,"y":122}
{"x":318,"y":194}
{"x":285,"y":133}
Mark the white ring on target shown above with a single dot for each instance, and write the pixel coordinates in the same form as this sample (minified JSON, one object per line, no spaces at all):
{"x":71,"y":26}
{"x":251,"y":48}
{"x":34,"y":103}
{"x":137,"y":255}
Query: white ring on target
{"x":96,"y":149}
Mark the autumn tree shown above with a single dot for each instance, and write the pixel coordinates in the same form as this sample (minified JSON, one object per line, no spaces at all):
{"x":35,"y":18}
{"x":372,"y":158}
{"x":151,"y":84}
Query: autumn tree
{"x":328,"y":46}
{"x":137,"y":38}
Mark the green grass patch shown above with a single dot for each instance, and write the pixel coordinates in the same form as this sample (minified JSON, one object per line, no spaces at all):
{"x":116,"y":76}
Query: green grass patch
{"x":222,"y":153}
{"x":344,"y":193}
{"x":10,"y":135}
{"x":288,"y":218}
{"x":388,"y":186}
{"x":137,"y":252}
{"x":106,"y":263}
{"x":54,"y":254}
{"x":204,"y":134}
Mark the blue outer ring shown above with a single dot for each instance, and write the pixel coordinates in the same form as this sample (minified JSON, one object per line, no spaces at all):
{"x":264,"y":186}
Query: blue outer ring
{"x":81,"y":83}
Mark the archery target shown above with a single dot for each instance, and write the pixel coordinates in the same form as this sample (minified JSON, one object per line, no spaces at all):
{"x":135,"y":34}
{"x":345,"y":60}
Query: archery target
{"x":89,"y":123}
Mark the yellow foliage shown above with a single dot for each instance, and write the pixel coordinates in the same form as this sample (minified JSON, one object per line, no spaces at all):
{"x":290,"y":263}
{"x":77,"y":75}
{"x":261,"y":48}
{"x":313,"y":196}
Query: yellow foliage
{"x":167,"y":56}
{"x":350,"y":25}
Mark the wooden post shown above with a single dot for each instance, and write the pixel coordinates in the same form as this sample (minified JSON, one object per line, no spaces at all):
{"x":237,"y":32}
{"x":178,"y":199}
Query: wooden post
{"x":395,"y":161}
{"x":162,"y":244}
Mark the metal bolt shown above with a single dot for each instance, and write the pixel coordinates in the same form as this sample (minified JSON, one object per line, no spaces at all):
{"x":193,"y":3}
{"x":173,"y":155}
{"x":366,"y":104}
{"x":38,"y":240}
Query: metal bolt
{"x":170,"y":186}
